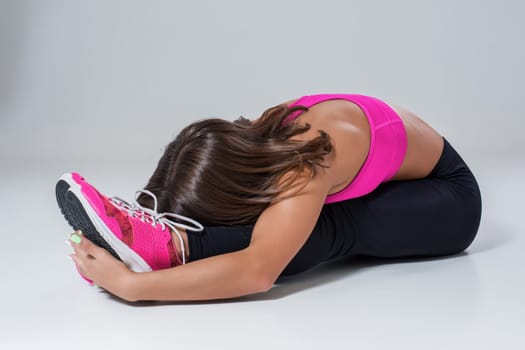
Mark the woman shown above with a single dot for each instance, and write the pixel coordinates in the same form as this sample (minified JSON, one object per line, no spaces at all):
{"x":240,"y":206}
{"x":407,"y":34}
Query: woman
{"x":321,"y":177}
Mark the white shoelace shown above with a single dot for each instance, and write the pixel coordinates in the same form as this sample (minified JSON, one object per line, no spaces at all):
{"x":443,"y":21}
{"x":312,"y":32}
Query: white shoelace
{"x":154,"y":218}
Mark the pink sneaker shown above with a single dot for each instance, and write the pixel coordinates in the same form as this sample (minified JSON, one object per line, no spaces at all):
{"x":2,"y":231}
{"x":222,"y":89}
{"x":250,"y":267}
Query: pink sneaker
{"x":138,"y":236}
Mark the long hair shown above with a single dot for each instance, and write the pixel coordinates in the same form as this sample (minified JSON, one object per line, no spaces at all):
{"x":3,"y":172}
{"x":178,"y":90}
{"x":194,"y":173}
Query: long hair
{"x":226,"y":173}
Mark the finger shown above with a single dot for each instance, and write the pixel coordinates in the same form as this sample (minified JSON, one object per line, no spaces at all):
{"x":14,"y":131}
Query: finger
{"x":75,"y":240}
{"x":89,"y":247}
{"x":79,"y":263}
{"x":83,"y":246}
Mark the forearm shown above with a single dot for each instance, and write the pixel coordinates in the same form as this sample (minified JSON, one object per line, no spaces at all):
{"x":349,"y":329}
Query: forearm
{"x":219,"y":277}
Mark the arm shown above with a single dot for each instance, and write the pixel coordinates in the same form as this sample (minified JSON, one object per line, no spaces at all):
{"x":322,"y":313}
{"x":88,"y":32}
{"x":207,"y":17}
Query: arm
{"x":279,"y":233}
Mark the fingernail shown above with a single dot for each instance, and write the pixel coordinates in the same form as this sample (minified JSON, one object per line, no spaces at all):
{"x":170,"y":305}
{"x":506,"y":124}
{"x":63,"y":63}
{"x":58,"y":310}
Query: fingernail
{"x":75,"y":239}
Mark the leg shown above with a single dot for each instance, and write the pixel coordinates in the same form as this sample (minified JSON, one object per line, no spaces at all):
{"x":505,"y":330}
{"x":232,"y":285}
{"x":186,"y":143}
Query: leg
{"x":438,"y":215}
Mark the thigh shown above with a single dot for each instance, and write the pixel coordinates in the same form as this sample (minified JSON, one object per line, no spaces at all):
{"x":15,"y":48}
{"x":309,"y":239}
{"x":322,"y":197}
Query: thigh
{"x":427,"y":217}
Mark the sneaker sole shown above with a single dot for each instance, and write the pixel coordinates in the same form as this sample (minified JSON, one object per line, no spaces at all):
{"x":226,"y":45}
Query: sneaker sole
{"x":81,"y":216}
{"x":60,"y":190}
{"x":76,"y":217}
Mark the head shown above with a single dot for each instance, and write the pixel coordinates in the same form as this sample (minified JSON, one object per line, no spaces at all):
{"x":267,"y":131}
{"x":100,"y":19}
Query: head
{"x":226,"y":173}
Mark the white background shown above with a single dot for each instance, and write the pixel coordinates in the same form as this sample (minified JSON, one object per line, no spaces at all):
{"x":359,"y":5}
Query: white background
{"x":101,"y":87}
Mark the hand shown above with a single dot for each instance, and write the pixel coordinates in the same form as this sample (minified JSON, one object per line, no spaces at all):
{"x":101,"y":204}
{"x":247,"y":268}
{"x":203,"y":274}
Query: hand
{"x":102,"y":268}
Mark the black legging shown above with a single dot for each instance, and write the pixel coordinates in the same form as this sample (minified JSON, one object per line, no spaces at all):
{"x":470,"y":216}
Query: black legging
{"x":434,"y":216}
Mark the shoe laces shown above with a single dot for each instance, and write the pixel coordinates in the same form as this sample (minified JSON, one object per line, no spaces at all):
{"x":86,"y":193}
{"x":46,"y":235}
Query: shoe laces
{"x":155,"y":218}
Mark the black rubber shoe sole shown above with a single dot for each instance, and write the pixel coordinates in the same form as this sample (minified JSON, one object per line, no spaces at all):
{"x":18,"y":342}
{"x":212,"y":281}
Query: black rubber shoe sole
{"x":76,"y":216}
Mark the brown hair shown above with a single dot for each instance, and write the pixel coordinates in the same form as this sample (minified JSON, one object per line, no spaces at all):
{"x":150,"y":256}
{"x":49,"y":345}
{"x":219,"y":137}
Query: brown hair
{"x":226,"y":173}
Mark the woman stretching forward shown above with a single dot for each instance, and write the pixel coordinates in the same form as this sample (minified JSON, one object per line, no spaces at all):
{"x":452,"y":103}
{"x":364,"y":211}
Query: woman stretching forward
{"x":311,"y":180}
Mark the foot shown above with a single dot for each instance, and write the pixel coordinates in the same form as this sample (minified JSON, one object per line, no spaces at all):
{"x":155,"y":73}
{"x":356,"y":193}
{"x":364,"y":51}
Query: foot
{"x":138,"y":236}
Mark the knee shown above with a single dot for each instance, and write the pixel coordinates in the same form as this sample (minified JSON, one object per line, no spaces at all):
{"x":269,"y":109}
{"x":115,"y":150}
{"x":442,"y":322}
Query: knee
{"x":469,"y":221}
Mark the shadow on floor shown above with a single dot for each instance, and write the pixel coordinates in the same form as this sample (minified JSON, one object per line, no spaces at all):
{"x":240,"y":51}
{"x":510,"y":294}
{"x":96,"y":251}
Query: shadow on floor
{"x":285,"y":286}
{"x":490,"y":237}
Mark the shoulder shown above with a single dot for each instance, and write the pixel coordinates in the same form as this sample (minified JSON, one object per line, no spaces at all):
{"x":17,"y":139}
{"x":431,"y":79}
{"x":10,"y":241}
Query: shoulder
{"x":349,"y":132}
{"x":307,"y":181}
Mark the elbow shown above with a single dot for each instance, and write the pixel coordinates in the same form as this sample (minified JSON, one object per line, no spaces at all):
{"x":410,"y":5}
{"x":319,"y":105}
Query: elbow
{"x":263,"y":285}
{"x":263,"y":280}
{"x":255,"y":272}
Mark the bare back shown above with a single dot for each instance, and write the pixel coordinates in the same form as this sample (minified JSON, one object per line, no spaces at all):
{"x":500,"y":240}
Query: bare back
{"x":349,"y":130}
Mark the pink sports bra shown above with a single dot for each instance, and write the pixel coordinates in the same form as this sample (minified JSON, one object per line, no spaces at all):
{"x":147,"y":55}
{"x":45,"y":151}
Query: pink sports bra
{"x":388,"y":143}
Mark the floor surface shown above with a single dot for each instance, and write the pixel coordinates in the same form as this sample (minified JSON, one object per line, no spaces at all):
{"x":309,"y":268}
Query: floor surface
{"x":471,"y":301}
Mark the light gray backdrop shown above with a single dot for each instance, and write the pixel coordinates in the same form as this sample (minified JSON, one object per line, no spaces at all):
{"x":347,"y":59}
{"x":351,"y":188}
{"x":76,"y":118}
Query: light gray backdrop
{"x":103,"y":79}
{"x":101,"y":86}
